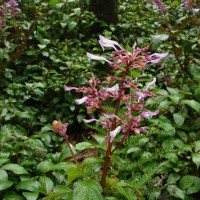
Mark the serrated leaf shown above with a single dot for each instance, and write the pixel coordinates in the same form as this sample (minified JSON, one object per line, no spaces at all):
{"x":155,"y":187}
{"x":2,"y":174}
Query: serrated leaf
{"x":47,"y":184}
{"x":15,"y":168}
{"x":186,"y":181}
{"x":53,"y":2}
{"x":193,"y":104}
{"x":3,"y":175}
{"x":126,"y":192}
{"x":175,"y":191}
{"x":87,"y":190}
{"x":196,"y":159}
{"x":178,"y":119}
{"x":168,"y":144}
{"x":5,"y":184}
{"x":72,"y":173}
{"x":31,"y":195}
{"x":72,"y":25}
{"x":173,"y":178}
{"x":44,"y":166}
{"x":83,"y":145}
{"x":197,"y":146}
{"x":29,"y":185}
{"x":13,"y":197}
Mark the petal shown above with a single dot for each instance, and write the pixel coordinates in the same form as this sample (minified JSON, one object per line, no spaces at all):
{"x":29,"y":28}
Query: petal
{"x":152,"y":83}
{"x":115,"y":88}
{"x":114,"y":133}
{"x":104,"y":42}
{"x":80,"y":101}
{"x":93,"y":57}
{"x":149,"y":114}
{"x":66,"y":88}
{"x":89,"y":120}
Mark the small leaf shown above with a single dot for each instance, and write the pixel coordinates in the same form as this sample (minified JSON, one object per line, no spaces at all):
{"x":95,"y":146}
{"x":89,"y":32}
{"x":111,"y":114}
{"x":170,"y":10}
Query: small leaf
{"x":88,"y":189}
{"x":72,"y":25}
{"x":53,"y":2}
{"x":13,"y":197}
{"x":15,"y":168}
{"x":186,"y":181}
{"x":175,"y":191}
{"x":44,"y":166}
{"x":5,"y":184}
{"x":29,"y":185}
{"x":31,"y":195}
{"x":47,"y":184}
{"x":178,"y":119}
{"x":3,"y":175}
{"x":83,"y":145}
{"x":193,"y":104}
{"x":197,"y":146}
{"x":196,"y":159}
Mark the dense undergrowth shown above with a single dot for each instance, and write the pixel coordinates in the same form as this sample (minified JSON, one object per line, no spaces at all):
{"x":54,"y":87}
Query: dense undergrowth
{"x":42,"y":48}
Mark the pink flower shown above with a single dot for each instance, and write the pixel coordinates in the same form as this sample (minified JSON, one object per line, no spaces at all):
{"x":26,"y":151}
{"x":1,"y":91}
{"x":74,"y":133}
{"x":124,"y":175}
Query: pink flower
{"x":151,"y":83}
{"x":113,"y":89}
{"x":66,"y":88}
{"x":156,"y":57}
{"x":59,"y":127}
{"x":114,"y":133}
{"x":104,"y":42}
{"x":93,"y":57}
{"x":80,"y":101}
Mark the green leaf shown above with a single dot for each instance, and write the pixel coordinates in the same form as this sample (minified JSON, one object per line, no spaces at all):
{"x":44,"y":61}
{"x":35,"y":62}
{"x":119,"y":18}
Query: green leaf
{"x":47,"y":184}
{"x":173,"y":178}
{"x":44,"y":166}
{"x":197,"y":146}
{"x":3,"y":175}
{"x":72,"y":173}
{"x":186,"y":181}
{"x":13,"y":197}
{"x":83,"y":145}
{"x":72,"y":25}
{"x":195,"y":187}
{"x":168,"y":144}
{"x":53,"y":2}
{"x":31,"y":195}
{"x":193,"y":104}
{"x":197,"y":93}
{"x":157,"y":39}
{"x":126,"y":192}
{"x":5,"y":184}
{"x":178,"y":119}
{"x":196,"y":159}
{"x":15,"y":168}
{"x":87,"y":190}
{"x":29,"y":185}
{"x":176,"y":192}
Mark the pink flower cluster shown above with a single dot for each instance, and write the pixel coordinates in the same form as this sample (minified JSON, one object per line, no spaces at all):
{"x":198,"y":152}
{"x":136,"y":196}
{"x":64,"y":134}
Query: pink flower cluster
{"x":160,"y":6}
{"x":4,"y":9}
{"x":122,"y":89}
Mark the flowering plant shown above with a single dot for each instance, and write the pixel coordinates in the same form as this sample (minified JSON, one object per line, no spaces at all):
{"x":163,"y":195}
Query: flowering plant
{"x":127,"y":98}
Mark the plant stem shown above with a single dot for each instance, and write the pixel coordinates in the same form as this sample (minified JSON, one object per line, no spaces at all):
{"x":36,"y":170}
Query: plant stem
{"x":106,"y":164}
{"x":74,"y":157}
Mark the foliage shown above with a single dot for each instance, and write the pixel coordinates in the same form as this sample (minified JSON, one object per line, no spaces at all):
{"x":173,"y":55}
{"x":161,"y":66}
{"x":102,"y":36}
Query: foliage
{"x":42,"y":48}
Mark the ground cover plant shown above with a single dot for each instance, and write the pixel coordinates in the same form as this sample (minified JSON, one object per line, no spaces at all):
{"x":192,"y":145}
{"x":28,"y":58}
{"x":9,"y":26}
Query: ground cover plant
{"x":43,"y":47}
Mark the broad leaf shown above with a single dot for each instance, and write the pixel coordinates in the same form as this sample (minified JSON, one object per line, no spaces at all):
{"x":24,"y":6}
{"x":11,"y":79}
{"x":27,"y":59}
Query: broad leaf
{"x":83,"y":145}
{"x":193,"y":104}
{"x":186,"y":181}
{"x":87,"y":190}
{"x":15,"y":168}
{"x":196,"y":159}
{"x":197,"y":146}
{"x":29,"y":185}
{"x":47,"y":184}
{"x":31,"y":195}
{"x":3,"y":175}
{"x":5,"y":184}
{"x":176,"y":192}
{"x":178,"y":119}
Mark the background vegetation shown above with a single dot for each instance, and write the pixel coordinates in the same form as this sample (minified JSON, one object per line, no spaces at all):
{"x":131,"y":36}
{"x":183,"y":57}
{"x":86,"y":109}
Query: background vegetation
{"x":42,"y":47}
